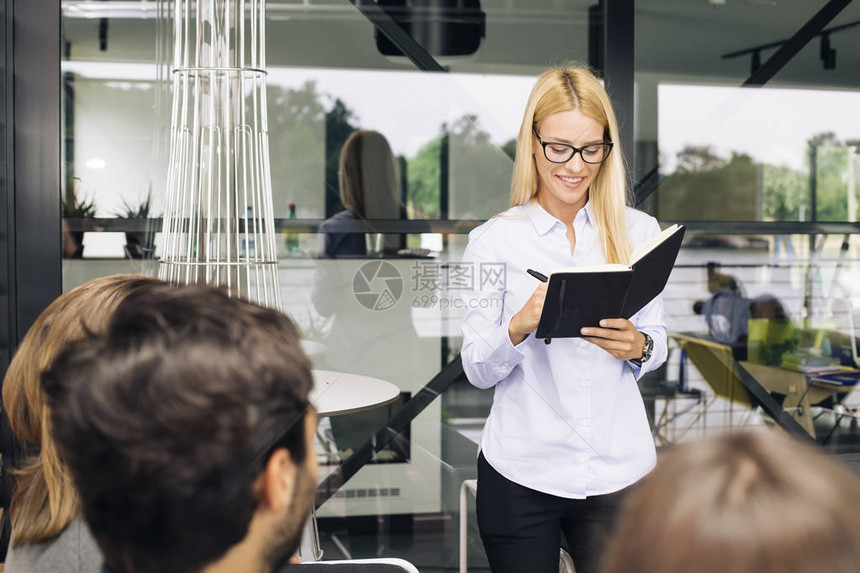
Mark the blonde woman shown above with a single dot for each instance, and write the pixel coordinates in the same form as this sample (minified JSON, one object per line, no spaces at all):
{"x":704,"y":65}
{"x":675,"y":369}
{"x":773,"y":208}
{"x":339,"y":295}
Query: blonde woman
{"x":48,"y":531}
{"x":751,"y":502}
{"x":567,"y":433}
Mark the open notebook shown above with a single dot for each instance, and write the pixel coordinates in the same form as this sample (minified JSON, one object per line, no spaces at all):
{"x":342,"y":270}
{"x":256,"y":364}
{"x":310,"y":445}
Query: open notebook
{"x":578,"y":297}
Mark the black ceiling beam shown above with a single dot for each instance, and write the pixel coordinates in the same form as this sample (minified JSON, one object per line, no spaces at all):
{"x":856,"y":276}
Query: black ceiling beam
{"x":810,"y":30}
{"x":398,"y":36}
{"x":619,"y":68}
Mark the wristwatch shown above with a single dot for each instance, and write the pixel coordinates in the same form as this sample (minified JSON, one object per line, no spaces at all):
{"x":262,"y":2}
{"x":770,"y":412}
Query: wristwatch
{"x":647,"y":349}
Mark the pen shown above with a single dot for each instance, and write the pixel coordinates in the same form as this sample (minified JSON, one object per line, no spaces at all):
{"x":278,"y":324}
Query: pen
{"x":539,"y":276}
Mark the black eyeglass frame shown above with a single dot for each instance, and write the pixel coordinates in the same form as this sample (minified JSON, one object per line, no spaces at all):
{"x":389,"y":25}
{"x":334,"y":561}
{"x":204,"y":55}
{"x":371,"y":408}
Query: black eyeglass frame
{"x":574,"y":149}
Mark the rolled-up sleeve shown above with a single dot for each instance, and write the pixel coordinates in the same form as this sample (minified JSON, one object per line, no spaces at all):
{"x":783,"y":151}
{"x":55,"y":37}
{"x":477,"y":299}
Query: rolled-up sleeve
{"x":488,"y":354}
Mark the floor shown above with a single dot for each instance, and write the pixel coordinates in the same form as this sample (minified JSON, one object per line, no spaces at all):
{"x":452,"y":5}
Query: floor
{"x":432,"y":548}
{"x":431,"y":542}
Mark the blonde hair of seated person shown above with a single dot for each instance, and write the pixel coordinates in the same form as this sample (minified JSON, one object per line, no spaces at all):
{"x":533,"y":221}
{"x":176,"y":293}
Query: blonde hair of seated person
{"x":751,"y":502}
{"x":45,"y":500}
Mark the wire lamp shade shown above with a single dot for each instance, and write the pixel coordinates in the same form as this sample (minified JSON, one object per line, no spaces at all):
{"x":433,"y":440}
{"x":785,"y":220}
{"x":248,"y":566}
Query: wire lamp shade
{"x":218,"y":221}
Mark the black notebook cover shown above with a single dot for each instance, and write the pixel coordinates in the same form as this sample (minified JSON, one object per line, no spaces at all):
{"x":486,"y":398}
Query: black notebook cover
{"x":575,"y":300}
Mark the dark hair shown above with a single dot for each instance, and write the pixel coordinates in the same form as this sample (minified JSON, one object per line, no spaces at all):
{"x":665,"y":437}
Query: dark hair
{"x":168,"y":418}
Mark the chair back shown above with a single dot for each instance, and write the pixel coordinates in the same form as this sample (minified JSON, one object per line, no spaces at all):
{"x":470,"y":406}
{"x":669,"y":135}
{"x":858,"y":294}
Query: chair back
{"x":717,"y":365}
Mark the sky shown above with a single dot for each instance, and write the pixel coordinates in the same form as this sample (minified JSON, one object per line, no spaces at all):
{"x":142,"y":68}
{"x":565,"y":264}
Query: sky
{"x":409,"y":107}
{"x":770,"y":124}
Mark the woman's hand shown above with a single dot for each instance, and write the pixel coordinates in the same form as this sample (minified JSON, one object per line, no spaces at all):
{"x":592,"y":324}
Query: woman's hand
{"x":527,"y":319}
{"x":618,"y":337}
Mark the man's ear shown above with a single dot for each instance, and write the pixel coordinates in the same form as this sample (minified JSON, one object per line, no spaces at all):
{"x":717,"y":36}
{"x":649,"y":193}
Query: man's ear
{"x":278,"y":480}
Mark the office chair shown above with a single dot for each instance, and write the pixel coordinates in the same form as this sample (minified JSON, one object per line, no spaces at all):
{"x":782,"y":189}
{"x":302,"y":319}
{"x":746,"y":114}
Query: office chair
{"x":717,"y":365}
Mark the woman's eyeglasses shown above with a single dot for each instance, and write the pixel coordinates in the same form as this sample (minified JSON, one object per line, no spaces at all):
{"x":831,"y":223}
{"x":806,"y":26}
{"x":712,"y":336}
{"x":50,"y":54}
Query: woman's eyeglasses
{"x":563,"y":152}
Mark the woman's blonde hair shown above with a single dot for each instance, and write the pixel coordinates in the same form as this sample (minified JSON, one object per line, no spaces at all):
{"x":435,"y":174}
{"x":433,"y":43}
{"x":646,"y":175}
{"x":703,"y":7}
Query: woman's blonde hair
{"x":751,"y":502}
{"x":575,"y":88}
{"x":45,"y":500}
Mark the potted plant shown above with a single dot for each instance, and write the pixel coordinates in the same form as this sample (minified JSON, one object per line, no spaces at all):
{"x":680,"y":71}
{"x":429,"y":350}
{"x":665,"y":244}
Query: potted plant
{"x":75,"y":208}
{"x":135,"y":241}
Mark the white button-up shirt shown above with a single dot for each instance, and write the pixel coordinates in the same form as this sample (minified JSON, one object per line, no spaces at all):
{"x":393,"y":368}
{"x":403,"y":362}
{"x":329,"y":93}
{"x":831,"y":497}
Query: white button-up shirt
{"x":567,"y":418}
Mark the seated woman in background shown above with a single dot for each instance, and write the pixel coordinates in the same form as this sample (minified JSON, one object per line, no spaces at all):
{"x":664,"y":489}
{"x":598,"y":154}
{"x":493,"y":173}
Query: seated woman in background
{"x":369,"y":180}
{"x":750,"y":502}
{"x":48,"y":531}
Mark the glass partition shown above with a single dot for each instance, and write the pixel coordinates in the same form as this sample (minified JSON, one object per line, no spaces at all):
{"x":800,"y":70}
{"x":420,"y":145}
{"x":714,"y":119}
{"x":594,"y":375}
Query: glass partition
{"x":371,"y":232}
{"x":761,"y":174}
{"x":765,"y":179}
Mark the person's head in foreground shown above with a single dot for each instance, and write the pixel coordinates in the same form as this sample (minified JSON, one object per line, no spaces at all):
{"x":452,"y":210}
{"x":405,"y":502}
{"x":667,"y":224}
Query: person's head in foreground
{"x":751,"y":502}
{"x":45,"y":501}
{"x":568,"y":153}
{"x":189,"y":434}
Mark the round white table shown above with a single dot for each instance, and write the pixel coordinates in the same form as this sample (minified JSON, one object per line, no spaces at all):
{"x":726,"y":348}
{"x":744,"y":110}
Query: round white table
{"x":337,"y":393}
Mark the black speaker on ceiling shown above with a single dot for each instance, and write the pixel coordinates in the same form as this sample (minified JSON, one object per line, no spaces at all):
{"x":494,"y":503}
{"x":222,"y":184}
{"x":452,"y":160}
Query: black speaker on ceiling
{"x":442,"y":27}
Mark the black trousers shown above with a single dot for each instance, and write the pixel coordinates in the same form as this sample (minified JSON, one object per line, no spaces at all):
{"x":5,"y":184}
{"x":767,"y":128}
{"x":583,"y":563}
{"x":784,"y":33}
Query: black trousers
{"x":521,"y":528}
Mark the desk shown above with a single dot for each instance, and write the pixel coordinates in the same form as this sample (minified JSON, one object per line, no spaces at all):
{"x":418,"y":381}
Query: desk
{"x":337,"y":393}
{"x":800,"y":393}
{"x":729,"y":380}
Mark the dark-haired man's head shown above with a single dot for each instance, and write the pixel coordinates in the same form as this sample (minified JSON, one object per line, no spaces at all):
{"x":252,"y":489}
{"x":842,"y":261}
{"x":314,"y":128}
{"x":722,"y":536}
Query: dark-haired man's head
{"x":189,"y":434}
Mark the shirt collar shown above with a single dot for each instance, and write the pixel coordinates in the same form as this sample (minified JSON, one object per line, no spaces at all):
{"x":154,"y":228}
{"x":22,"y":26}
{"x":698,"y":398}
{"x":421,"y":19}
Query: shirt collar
{"x":543,"y":222}
{"x":589,"y":213}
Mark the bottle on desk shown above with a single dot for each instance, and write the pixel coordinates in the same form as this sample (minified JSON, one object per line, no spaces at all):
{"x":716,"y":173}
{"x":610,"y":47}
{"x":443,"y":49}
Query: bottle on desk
{"x":248,"y":246}
{"x":292,"y":242}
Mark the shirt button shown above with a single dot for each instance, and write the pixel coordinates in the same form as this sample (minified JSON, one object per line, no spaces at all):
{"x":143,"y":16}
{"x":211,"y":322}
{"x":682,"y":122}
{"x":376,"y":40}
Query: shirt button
{"x":584,"y":423}
{"x":584,"y":384}
{"x":582,"y":458}
{"x":506,"y":365}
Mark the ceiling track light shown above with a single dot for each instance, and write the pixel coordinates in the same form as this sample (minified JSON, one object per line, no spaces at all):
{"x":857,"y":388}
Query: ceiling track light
{"x":756,"y":61}
{"x":828,"y":54}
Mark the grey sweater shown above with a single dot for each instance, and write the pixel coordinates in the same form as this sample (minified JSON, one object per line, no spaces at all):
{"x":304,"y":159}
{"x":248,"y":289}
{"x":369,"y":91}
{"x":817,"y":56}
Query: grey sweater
{"x":72,"y":551}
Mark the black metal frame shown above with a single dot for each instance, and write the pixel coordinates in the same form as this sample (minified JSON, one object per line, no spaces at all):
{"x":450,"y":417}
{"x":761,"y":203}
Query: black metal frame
{"x":31,"y":233}
{"x":30,"y":238}
{"x":463,"y":226}
{"x":619,"y":67}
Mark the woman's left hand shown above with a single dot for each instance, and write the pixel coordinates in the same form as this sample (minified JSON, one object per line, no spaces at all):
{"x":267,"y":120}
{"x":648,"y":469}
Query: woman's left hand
{"x":618,"y":337}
